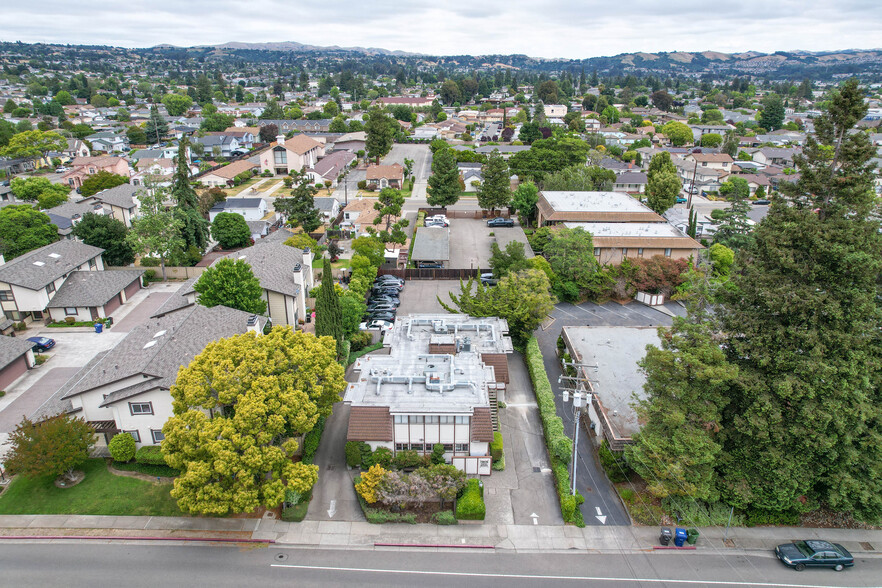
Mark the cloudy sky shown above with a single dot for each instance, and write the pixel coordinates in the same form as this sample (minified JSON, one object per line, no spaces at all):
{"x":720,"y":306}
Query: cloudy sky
{"x":543,"y":28}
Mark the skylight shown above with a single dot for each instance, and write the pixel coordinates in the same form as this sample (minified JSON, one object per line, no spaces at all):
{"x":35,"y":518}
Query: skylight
{"x":54,"y":255}
{"x":39,"y":263}
{"x":159,"y":334}
{"x":149,"y":344}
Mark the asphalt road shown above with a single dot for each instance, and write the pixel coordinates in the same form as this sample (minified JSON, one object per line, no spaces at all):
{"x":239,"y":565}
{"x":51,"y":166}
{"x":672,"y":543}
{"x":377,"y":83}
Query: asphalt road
{"x":422,"y":164}
{"x":95,"y":563}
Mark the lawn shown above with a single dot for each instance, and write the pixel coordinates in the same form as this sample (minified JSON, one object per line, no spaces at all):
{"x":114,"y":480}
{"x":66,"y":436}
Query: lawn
{"x":101,"y":493}
{"x":340,"y":263}
{"x":236,"y":191}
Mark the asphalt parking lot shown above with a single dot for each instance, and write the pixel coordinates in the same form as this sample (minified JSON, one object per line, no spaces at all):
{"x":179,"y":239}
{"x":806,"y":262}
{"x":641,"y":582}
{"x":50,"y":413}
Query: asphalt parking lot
{"x":470,"y":241}
{"x":421,"y":296}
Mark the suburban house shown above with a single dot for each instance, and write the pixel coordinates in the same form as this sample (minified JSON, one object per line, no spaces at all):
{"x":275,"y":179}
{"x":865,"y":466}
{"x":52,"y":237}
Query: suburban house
{"x":780,"y":157}
{"x":75,"y":148}
{"x":126,"y":389}
{"x":328,"y":169}
{"x":223,"y":176}
{"x":621,"y":225}
{"x":385,"y":176}
{"x":555,"y":110}
{"x":293,"y":155}
{"x":120,"y":202}
{"x":412,"y":101}
{"x":109,"y":142}
{"x":83,"y":167}
{"x":717,"y":161}
{"x":92,"y":295}
{"x":243,"y":136}
{"x":440,"y":383}
{"x":285,"y":274}
{"x":328,"y":207}
{"x":66,"y":216}
{"x":218,"y":145}
{"x":706,"y":178}
{"x":253,"y":209}
{"x":631,"y":182}
{"x":358,"y":215}
{"x":302,"y":126}
{"x":16,"y":358}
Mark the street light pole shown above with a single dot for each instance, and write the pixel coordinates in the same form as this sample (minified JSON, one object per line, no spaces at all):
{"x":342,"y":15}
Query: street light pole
{"x":581,"y":397}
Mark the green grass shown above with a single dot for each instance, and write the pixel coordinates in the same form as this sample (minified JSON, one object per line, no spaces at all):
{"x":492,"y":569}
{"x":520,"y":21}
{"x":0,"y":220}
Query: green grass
{"x":320,"y":263}
{"x":101,"y":493}
{"x":235,"y":191}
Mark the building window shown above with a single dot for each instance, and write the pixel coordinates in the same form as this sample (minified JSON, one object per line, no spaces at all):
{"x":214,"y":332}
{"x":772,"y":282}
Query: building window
{"x":668,"y":252}
{"x":400,"y":419}
{"x":624,"y":252}
{"x":6,"y":295}
{"x":445,"y":420}
{"x":70,"y":311}
{"x":280,"y":157}
{"x":141,"y":408}
{"x":448,"y":447}
{"x":431,"y":420}
{"x":640,"y":252}
{"x":50,"y":288}
{"x":135,"y":435}
{"x":461,"y":447}
{"x":416,"y":420}
{"x":461,"y":420}
{"x":597,"y":252}
{"x":157,"y":436}
{"x":92,"y":264}
{"x":401,"y":447}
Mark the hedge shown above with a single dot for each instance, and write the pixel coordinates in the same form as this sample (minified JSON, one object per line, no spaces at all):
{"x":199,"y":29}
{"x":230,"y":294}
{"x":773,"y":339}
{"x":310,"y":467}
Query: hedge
{"x":345,"y":348}
{"x":353,"y":453}
{"x":496,"y":446}
{"x":560,"y":447}
{"x":470,"y":506}
{"x":376,"y":516}
{"x":311,"y":441}
{"x":150,"y":454}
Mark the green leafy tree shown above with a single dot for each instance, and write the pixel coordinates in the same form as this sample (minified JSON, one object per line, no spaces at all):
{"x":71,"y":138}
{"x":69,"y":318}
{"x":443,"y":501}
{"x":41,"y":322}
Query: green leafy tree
{"x":547,"y":156}
{"x":529,"y":132}
{"x":136,"y":135}
{"x":389,"y":203}
{"x":37,"y":189}
{"x":101,"y":181}
{"x":194,"y":227}
{"x":380,"y":133}
{"x":688,"y":381}
{"x":107,"y":233}
{"x":721,"y":258}
{"x":772,"y":116}
{"x":711,"y":139}
{"x":230,"y":230}
{"x":300,"y":208}
{"x":328,"y":311}
{"x":678,"y":133}
{"x":10,"y":106}
{"x":338,"y":125}
{"x":156,"y":231}
{"x":495,"y":191}
{"x":730,"y":144}
{"x":734,"y":226}
{"x":216,"y":122}
{"x":443,"y":188}
{"x":663,"y":183}
{"x":33,"y":145}
{"x":804,"y":313}
{"x":230,"y":283}
{"x":54,"y":447}
{"x":238,"y":407}
{"x":7,"y":130}
{"x":524,"y":201}
{"x":662,"y":100}
{"x":580,"y":178}
{"x":370,"y":247}
{"x":122,"y":447}
{"x":512,"y":260}
{"x":523,"y":299}
{"x":570,"y":252}
{"x":81,"y":131}
{"x":177,"y":104}
{"x":23,"y":229}
{"x":156,"y":127}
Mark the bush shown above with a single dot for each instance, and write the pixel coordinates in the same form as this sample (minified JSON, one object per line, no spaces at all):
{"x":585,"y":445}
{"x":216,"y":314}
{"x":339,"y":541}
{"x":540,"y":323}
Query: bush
{"x":437,"y":457}
{"x":150,"y":455}
{"x":366,"y":484}
{"x":383,"y":457}
{"x":345,"y":349}
{"x":445,"y":517}
{"x":407,"y":459}
{"x":122,"y":447}
{"x":378,"y":517}
{"x":149,"y":262}
{"x":614,"y":464}
{"x":496,"y":446}
{"x":353,"y":453}
{"x":699,"y":513}
{"x":40,"y":359}
{"x":311,"y":441}
{"x":367,"y":456}
{"x":498,"y":466}
{"x":20,"y":326}
{"x":157,"y":471}
{"x":756,"y":517}
{"x":360,"y":340}
{"x":470,"y":506}
{"x":362,"y":184}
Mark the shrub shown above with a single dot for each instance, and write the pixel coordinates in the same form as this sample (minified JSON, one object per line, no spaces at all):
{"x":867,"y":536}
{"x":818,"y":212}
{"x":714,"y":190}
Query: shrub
{"x":345,"y":349}
{"x":40,"y":359}
{"x":407,"y":459}
{"x":122,"y":447}
{"x":437,"y":456}
{"x":378,"y":517}
{"x":367,"y":456}
{"x":311,"y":441}
{"x":699,"y":513}
{"x":360,"y":340}
{"x":366,"y":487}
{"x":69,"y":319}
{"x":150,"y":455}
{"x":614,"y":464}
{"x":353,"y":453}
{"x":445,"y":517}
{"x":758,"y":517}
{"x":149,"y":262}
{"x":383,"y":457}
{"x":470,"y":506}
{"x":499,"y":465}
{"x":20,"y":326}
{"x":362,"y":184}
{"x":496,"y":446}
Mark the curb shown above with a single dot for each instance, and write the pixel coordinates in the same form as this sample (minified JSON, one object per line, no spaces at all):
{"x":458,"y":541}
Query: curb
{"x":123,"y":538}
{"x":441,"y":545}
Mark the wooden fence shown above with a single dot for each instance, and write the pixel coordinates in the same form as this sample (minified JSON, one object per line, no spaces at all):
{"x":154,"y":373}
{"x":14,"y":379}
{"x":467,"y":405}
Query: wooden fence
{"x":475,"y":214}
{"x":172,"y":272}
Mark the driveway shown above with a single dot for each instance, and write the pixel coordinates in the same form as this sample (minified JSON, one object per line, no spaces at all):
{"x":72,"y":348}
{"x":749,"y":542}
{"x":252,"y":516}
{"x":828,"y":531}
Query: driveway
{"x":422,"y":164}
{"x":142,"y":311}
{"x":333,"y":496}
{"x":601,"y":498}
{"x":26,"y":403}
{"x":421,"y":296}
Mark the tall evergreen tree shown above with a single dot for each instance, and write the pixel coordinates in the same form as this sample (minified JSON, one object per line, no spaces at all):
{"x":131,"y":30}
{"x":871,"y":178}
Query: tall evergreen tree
{"x":194,"y":228}
{"x":443,"y":189}
{"x":328,"y":312}
{"x":734,"y":225}
{"x":380,"y":133}
{"x":156,"y":127}
{"x":663,"y":183}
{"x":805,"y":421}
{"x":495,"y":191}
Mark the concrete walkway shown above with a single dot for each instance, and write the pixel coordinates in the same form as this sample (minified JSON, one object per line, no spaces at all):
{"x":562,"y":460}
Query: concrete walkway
{"x":314,"y":534}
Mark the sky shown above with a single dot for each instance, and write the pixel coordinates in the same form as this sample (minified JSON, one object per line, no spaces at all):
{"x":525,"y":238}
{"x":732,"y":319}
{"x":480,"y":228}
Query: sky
{"x":539,"y":28}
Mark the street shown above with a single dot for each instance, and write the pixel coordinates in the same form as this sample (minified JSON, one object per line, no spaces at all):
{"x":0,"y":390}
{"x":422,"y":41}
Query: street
{"x":99,"y":563}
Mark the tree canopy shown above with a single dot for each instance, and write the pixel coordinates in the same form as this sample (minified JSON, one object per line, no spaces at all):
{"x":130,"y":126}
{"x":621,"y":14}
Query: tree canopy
{"x":23,"y":229}
{"x":662,"y":184}
{"x":33,"y":145}
{"x":101,"y":181}
{"x":194,"y":227}
{"x":678,"y":133}
{"x":230,"y":283}
{"x":580,"y":178}
{"x":300,"y":208}
{"x":107,"y":233}
{"x":380,"y":133}
{"x":230,"y":230}
{"x":50,"y":448}
{"x":495,"y":191}
{"x":389,"y":223}
{"x":443,"y":188}
{"x":156,"y":231}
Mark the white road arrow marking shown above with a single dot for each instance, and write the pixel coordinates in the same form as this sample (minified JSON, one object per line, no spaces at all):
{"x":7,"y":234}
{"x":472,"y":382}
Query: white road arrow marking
{"x":333,"y":510}
{"x":535,"y":518}
{"x":600,"y":516}
{"x":597,"y":508}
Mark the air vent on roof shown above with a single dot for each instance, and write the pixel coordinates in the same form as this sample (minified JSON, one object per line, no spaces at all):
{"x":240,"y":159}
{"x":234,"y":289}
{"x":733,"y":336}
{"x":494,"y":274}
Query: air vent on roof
{"x":54,"y":255}
{"x":159,"y":334}
{"x":241,"y":257}
{"x":39,"y":263}
{"x":150,"y":343}
{"x":297,"y":267}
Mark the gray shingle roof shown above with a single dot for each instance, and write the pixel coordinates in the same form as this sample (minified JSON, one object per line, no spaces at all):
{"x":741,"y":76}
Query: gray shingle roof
{"x":11,"y":348}
{"x":178,"y":300}
{"x":273,"y":264}
{"x":92,"y":288}
{"x":234,"y":203}
{"x":324,"y":204}
{"x":71,"y":209}
{"x":39,"y":267}
{"x":431,"y":244}
{"x":121,"y":196}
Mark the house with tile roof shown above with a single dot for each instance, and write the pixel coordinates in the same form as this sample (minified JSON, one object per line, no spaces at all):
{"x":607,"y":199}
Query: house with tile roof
{"x":292,"y":155}
{"x":83,"y":167}
{"x":385,"y":176}
{"x":440,"y":384}
{"x":358,"y":215}
{"x":126,"y":388}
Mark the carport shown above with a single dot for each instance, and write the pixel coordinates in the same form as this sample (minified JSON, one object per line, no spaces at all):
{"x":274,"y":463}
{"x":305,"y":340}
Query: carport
{"x":431,"y":244}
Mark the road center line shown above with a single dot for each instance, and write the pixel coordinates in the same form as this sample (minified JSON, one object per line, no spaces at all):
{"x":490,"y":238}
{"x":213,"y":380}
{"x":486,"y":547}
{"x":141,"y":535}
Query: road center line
{"x":555,"y":578}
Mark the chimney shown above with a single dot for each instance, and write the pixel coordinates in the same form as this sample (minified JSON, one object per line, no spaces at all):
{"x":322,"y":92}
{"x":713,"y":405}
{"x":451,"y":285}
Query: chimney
{"x":280,"y":139}
{"x":252,"y":325}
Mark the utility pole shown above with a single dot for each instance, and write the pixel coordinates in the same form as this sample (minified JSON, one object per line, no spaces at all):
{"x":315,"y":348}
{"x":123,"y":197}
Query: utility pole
{"x":581,"y":390}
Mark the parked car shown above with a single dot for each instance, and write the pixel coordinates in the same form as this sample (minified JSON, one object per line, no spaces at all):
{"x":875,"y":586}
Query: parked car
{"x":381,"y":307}
{"x":436,"y":223}
{"x":813,"y":553}
{"x":762,"y":202}
{"x":383,"y":299}
{"x":388,"y":284}
{"x":488,"y":280}
{"x":692,"y":190}
{"x":381,"y":316}
{"x":61,"y":169}
{"x":680,"y":200}
{"x":430,"y":265}
{"x":500,"y":222}
{"x":387,"y":290}
{"x":389,"y":278}
{"x":42,"y":343}
{"x":375,"y":325}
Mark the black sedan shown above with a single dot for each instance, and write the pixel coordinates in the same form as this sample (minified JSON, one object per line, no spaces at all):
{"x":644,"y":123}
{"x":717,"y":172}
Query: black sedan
{"x":42,"y":343}
{"x":813,"y":553}
{"x":500,"y":222}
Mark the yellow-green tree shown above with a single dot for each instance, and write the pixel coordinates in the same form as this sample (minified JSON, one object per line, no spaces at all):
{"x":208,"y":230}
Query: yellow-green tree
{"x":370,"y":480}
{"x":238,"y":408}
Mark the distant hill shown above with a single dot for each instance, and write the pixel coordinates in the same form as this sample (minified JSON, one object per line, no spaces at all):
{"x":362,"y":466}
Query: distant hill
{"x":300,"y":47}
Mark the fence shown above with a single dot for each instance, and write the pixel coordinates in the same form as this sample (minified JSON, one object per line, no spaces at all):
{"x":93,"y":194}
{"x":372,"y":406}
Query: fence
{"x":475,"y":214}
{"x":433,"y":274}
{"x":172,"y":272}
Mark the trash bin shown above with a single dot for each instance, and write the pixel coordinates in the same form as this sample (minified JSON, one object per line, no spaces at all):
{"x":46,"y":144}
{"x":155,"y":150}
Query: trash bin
{"x":691,"y":536}
{"x":108,"y":321}
{"x":680,"y":536}
{"x":665,"y":537}
{"x":99,"y":327}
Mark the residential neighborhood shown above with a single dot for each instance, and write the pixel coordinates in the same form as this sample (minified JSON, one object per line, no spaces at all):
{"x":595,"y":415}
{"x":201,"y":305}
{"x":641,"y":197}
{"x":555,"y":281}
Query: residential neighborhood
{"x":360,"y":298}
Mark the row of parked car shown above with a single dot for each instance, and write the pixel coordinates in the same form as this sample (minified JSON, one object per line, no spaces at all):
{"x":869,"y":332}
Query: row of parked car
{"x":382,"y":304}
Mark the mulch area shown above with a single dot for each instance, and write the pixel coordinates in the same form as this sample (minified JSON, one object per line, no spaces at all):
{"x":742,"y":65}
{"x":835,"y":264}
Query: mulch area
{"x":138,"y":475}
{"x":825,"y":519}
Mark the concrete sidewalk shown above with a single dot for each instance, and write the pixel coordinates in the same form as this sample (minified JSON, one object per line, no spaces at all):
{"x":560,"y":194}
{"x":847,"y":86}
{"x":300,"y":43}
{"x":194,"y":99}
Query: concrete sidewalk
{"x":359,"y":535}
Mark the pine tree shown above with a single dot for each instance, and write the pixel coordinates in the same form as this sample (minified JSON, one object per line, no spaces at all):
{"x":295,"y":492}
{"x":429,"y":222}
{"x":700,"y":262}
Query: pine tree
{"x":805,"y":421}
{"x":663,"y":183}
{"x":328,"y":313}
{"x":156,"y":127}
{"x":495,"y":190}
{"x":734,"y":225}
{"x":380,"y":130}
{"x":443,"y":189}
{"x":195,"y":229}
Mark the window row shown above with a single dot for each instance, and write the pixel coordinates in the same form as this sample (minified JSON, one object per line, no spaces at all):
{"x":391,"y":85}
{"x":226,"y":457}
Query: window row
{"x":403,"y":419}
{"x":155,"y":434}
{"x":427,"y":447}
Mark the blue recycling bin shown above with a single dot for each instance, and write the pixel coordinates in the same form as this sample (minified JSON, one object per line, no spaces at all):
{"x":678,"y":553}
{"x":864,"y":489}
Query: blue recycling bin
{"x":99,"y":327}
{"x":680,"y":537}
